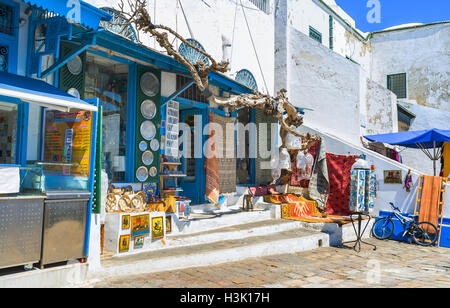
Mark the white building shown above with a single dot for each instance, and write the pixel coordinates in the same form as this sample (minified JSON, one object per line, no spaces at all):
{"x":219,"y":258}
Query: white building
{"x":337,"y":73}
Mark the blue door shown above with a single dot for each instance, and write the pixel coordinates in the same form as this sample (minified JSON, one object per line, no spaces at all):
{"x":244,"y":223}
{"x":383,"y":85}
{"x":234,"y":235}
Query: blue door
{"x":193,"y":161}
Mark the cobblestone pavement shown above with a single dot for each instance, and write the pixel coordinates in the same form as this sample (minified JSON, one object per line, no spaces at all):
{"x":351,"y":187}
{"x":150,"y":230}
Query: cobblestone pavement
{"x":393,"y":264}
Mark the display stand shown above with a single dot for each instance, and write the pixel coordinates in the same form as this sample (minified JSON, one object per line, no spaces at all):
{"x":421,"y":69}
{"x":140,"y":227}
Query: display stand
{"x":358,"y":232}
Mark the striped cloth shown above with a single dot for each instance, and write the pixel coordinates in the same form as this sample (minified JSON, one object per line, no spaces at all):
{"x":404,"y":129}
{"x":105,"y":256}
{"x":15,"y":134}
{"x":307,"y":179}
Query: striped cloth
{"x":319,"y":185}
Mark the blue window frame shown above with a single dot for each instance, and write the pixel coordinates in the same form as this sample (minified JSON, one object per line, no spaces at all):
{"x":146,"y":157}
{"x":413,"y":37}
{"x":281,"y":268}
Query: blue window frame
{"x":9,"y":29}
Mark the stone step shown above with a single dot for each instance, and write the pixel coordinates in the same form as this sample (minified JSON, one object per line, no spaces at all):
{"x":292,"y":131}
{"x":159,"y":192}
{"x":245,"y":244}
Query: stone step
{"x":291,"y":241}
{"x":234,"y":232}
{"x":206,"y":221}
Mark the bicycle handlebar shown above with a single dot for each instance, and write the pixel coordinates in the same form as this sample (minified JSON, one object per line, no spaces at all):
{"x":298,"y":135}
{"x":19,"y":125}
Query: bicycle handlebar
{"x":394,"y":207}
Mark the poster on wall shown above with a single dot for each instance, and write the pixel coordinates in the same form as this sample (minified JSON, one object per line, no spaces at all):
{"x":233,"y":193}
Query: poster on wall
{"x":393,"y":177}
{"x":172,"y":129}
{"x":124,"y":243}
{"x":67,"y":139}
{"x":157,"y":227}
{"x":140,"y":225}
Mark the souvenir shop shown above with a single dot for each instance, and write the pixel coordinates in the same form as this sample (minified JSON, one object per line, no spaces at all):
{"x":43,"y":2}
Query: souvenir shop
{"x":145,"y":186}
{"x":45,"y":195}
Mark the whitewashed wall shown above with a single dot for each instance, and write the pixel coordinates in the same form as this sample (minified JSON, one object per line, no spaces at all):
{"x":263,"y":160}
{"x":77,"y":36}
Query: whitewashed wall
{"x":381,"y":106}
{"x":301,"y":14}
{"x":319,"y":79}
{"x":422,"y":53}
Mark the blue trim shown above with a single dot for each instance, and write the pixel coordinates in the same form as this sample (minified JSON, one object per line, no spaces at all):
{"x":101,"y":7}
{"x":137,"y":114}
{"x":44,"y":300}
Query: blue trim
{"x":89,"y":16}
{"x":58,"y":64}
{"x":113,"y":58}
{"x":178,"y":92}
{"x":189,"y":103}
{"x":12,"y":41}
{"x":227,"y":84}
{"x":94,"y":102}
{"x":131,"y":120}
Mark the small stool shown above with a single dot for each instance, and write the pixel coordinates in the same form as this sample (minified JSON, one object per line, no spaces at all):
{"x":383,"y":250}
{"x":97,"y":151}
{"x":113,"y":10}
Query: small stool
{"x":248,"y":203}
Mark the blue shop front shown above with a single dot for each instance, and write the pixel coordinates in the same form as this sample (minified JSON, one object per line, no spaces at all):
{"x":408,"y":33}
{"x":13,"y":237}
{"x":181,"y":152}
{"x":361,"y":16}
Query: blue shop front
{"x":150,"y":106}
{"x":47,"y":139}
{"x":95,"y":130}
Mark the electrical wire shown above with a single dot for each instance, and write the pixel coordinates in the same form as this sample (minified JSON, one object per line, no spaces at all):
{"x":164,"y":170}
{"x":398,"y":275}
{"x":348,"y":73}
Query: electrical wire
{"x":254,"y":48}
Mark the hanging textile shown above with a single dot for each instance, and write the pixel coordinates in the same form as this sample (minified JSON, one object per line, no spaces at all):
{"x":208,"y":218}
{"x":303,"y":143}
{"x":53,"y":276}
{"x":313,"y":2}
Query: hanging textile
{"x":319,"y":185}
{"x":339,"y":171}
{"x":295,"y":178}
{"x":226,"y":150}
{"x":430,"y":199}
{"x":212,"y":167}
{"x":446,"y":157}
{"x":362,"y":190}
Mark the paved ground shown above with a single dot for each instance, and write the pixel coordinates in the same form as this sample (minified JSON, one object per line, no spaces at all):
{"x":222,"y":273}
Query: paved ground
{"x":393,"y":264}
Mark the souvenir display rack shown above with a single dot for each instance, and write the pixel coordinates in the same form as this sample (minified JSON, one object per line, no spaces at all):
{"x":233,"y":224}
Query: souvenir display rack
{"x":170,"y":176}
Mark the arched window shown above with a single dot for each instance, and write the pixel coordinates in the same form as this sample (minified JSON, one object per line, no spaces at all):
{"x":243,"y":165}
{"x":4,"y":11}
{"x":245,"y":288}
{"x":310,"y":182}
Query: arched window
{"x":117,"y":23}
{"x":191,"y":54}
{"x":246,"y":78}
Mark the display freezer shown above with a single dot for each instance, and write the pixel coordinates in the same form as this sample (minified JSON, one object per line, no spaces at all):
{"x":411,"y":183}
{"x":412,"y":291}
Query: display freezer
{"x":64,"y":226}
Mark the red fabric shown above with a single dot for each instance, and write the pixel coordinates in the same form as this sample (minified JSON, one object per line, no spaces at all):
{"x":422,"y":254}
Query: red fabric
{"x":258,"y":191}
{"x":339,"y":172}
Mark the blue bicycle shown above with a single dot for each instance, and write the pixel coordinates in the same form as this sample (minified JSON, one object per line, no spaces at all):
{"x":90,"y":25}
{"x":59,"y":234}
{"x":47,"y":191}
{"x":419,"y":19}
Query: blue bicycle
{"x":422,"y":233}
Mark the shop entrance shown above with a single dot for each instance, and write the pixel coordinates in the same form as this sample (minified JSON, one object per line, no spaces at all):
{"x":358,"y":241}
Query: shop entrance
{"x":192,"y":158}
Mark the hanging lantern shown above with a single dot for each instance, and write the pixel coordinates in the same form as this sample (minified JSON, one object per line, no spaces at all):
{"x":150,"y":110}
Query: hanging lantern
{"x":293,"y":142}
{"x":276,"y":174}
{"x":285,"y":160}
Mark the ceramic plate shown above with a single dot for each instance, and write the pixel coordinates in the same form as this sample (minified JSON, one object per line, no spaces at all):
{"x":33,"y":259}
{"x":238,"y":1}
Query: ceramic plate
{"x":153,"y":171}
{"x":148,"y":109}
{"x":149,"y":84}
{"x":147,"y":158}
{"x":154,"y":145}
{"x":142,"y":174}
{"x":143,"y":146}
{"x":75,"y":66}
{"x":148,"y":130}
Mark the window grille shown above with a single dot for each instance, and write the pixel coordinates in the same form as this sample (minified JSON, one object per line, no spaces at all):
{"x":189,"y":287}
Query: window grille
{"x":4,"y":58}
{"x":6,"y":19}
{"x":314,"y":34}
{"x":397,"y":84}
{"x":263,"y":5}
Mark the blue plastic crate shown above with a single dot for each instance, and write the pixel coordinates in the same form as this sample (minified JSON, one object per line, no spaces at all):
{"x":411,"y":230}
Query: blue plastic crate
{"x":445,"y":233}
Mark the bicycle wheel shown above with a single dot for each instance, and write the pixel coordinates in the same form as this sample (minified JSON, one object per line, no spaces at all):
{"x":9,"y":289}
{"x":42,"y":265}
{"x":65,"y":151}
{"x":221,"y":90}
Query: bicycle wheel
{"x":383,"y":228}
{"x":425,"y":234}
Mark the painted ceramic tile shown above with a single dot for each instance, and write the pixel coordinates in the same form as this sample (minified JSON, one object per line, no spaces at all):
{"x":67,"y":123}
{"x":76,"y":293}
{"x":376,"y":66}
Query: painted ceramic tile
{"x":157,"y":227}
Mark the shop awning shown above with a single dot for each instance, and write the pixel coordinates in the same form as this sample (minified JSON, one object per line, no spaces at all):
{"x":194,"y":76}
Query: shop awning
{"x":75,"y":11}
{"x":429,"y":141}
{"x":414,"y":139}
{"x":41,"y":93}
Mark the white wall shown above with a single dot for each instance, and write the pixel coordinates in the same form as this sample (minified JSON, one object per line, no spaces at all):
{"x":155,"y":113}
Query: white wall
{"x":423,"y":54}
{"x":301,"y":14}
{"x":324,"y":81}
